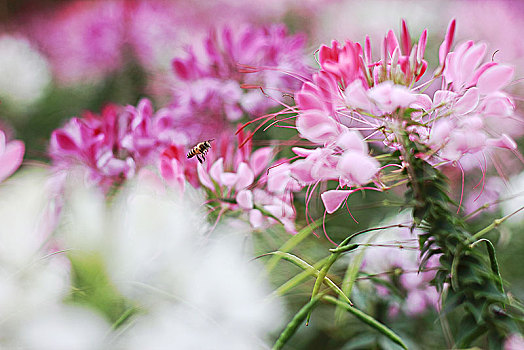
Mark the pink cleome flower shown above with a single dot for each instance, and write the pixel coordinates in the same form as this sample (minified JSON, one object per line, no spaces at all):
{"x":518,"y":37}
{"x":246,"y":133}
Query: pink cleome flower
{"x":112,"y":146}
{"x":239,"y":180}
{"x":396,"y":250}
{"x":209,"y":92}
{"x":352,"y":95}
{"x":11,"y":156}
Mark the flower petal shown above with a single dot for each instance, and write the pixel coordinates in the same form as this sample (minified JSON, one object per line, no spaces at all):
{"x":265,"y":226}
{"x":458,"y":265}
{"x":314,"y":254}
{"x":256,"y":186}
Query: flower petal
{"x":495,"y":78}
{"x":333,"y":199}
{"x":11,"y":159}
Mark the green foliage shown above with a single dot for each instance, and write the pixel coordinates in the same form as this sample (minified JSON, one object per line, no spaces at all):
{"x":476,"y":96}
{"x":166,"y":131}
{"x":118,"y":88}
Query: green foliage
{"x":91,"y":286}
{"x":475,"y":284}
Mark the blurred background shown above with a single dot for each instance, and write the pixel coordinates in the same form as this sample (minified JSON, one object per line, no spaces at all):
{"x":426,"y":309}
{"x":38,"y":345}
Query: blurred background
{"x":61,"y":58}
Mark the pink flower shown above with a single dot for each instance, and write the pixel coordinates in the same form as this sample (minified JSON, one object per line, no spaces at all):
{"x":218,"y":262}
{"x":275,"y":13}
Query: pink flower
{"x":112,"y":146}
{"x":11,"y":156}
{"x":209,"y":92}
{"x":397,"y":250}
{"x":238,"y":180}
{"x":83,"y":39}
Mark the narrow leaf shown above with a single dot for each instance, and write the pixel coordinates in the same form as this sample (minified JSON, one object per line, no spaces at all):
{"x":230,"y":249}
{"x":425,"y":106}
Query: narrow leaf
{"x":370,"y":321}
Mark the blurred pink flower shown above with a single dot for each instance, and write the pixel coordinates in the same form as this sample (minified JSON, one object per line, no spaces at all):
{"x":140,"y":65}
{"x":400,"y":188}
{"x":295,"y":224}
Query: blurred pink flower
{"x":209,"y":91}
{"x":11,"y":156}
{"x":395,"y":250}
{"x":111,"y":146}
{"x":83,"y":39}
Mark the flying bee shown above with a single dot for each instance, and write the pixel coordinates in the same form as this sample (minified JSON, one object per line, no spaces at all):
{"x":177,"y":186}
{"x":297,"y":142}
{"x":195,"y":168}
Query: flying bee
{"x":200,"y":150}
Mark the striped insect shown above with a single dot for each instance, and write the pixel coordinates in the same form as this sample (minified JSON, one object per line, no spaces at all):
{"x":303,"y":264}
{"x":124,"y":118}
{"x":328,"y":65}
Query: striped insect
{"x":200,"y":150}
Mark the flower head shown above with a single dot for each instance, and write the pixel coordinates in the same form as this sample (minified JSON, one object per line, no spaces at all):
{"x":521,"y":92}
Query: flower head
{"x":209,"y":92}
{"x":239,"y":180}
{"x":353,"y":100}
{"x":112,"y":146}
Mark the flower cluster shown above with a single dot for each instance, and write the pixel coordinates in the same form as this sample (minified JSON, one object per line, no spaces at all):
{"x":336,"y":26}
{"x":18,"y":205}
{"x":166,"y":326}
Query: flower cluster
{"x":351,"y":94}
{"x":209,"y":92}
{"x":395,"y":257}
{"x":87,"y":40}
{"x":239,"y":180}
{"x":112,"y":146}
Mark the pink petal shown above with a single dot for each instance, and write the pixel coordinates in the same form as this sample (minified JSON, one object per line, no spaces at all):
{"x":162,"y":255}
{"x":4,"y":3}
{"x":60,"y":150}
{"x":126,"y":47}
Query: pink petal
{"x":495,"y":78}
{"x":471,"y":60}
{"x":301,"y":170}
{"x":63,"y":141}
{"x":405,"y":39}
{"x":217,"y":169}
{"x":316,"y":126}
{"x":11,"y":159}
{"x":356,"y":96}
{"x":503,"y":142}
{"x":2,"y":142}
{"x":278,"y":178}
{"x":303,"y":152}
{"x":245,"y":199}
{"x":306,"y":100}
{"x":204,"y":178}
{"x":392,"y":42}
{"x":333,"y":199}
{"x":468,"y":102}
{"x":421,"y":45}
{"x":351,"y":139}
{"x":256,"y":218}
{"x":260,"y":159}
{"x":357,"y":167}
{"x":245,"y":176}
{"x":446,"y":45}
{"x":228,"y":179}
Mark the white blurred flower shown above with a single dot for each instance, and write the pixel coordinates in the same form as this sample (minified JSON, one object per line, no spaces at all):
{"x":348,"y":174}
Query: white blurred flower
{"x":513,"y":199}
{"x":33,"y":282}
{"x":64,"y":328}
{"x":24,"y":72}
{"x":196,"y":291}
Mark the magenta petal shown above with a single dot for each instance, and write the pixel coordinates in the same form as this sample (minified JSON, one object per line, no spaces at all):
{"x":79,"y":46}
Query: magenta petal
{"x":63,"y":141}
{"x":333,"y":199}
{"x":495,"y":78}
{"x":11,"y":159}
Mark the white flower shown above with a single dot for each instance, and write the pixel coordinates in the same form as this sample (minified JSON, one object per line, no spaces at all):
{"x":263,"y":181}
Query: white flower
{"x":513,"y":199}
{"x":24,"y":72}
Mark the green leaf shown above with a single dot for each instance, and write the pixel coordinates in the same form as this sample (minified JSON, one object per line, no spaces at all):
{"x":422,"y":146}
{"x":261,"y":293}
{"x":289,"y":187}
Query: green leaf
{"x":297,"y":320}
{"x":324,"y":279}
{"x":292,"y":243}
{"x":370,"y":321}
